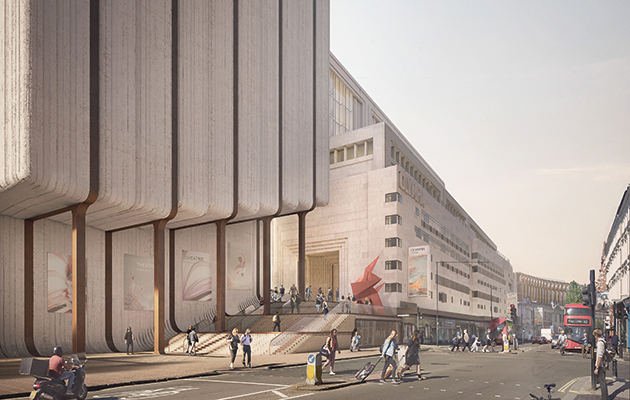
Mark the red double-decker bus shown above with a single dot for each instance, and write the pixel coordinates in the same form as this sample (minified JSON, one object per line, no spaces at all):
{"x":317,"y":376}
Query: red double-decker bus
{"x":577,"y":320}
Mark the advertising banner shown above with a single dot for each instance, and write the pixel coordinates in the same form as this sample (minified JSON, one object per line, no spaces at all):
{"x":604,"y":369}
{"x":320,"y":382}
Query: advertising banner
{"x":59,"y":283}
{"x":197,"y":276}
{"x":239,"y":271}
{"x":538,"y":316}
{"x":418,"y":267}
{"x":138,"y":283}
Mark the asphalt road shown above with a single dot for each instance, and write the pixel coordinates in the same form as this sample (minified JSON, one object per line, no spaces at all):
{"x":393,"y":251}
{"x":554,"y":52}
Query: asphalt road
{"x":449,"y":376}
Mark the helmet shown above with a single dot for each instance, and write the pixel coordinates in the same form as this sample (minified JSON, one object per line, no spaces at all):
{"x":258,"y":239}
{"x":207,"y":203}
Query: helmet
{"x":58,"y":351}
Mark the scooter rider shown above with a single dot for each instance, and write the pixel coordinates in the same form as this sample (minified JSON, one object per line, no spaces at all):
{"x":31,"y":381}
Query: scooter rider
{"x":58,"y":368}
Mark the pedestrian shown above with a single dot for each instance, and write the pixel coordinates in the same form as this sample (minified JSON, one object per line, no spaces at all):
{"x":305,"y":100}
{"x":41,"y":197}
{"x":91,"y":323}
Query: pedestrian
{"x":466,"y":343}
{"x":234,"y":341}
{"x":600,"y":365}
{"x":337,"y":294}
{"x":293,"y":291}
{"x":562,"y":342}
{"x":329,"y":295}
{"x":246,"y":341}
{"x":262,"y":301}
{"x":333,"y":346}
{"x":487,"y":341}
{"x":129,"y":338}
{"x":343,"y":304}
{"x":194,"y":339}
{"x":276,"y":321}
{"x":318,"y":303}
{"x":298,"y":302}
{"x":281,"y":291}
{"x":307,"y":293}
{"x":411,"y":356}
{"x":354,"y":340}
{"x":614,"y":340}
{"x":320,"y":291}
{"x":475,"y":344}
{"x":389,"y":349}
{"x":456,"y":342}
{"x":292,"y":303}
{"x":276,"y":295}
{"x":584,"y":345}
{"x":187,"y":343}
{"x":421,"y":337}
{"x":325,"y":307}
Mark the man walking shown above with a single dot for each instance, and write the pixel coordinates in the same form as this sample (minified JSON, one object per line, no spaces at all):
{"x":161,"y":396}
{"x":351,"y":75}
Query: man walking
{"x":307,"y":293}
{"x":584,"y":345}
{"x":276,"y":321}
{"x":562,"y":341}
{"x":466,"y":343}
{"x":600,"y":367}
{"x":298,"y":302}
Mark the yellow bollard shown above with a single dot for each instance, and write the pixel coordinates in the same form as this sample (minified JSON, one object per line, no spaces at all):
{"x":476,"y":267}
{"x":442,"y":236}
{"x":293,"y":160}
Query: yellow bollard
{"x":314,"y":369}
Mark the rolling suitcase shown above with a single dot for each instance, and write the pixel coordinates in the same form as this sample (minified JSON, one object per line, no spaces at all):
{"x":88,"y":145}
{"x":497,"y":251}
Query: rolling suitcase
{"x":366,"y":370}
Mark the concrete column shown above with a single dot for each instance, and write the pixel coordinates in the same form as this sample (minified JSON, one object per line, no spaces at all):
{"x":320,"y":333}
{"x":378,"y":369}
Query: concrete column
{"x":109,"y":292}
{"x":301,"y":272}
{"x":267,"y":265}
{"x":29,"y":300}
{"x":159,"y":253}
{"x":221,"y":265}
{"x":78,"y":278}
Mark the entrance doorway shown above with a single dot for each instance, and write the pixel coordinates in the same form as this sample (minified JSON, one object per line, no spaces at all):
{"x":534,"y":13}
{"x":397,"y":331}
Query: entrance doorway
{"x":322,"y":270}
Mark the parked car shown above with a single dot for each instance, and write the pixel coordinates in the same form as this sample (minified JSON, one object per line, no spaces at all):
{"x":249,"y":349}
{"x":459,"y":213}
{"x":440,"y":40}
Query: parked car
{"x":543,"y":340}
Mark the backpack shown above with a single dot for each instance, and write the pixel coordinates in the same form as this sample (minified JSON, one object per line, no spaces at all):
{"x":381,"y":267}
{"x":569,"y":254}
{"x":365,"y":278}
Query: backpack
{"x":609,"y":352}
{"x":275,"y":318}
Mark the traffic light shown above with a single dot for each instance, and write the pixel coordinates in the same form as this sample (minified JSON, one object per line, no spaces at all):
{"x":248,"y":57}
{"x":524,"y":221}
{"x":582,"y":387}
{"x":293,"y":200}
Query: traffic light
{"x":513,"y":312}
{"x":586,"y":295}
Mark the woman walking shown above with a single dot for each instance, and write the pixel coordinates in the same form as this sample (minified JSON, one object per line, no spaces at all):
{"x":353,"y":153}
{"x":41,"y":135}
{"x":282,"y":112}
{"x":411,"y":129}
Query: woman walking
{"x":333,"y":346}
{"x":389,"y":349}
{"x":411,"y":356}
{"x":354,"y":341}
{"x":234,"y":341}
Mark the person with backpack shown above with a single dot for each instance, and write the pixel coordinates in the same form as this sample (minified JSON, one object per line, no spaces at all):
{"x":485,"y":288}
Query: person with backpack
{"x":600,"y":363}
{"x":487,"y":341}
{"x":276,"y":321}
{"x":194,"y":339}
{"x":388,"y":349}
{"x":456,"y":341}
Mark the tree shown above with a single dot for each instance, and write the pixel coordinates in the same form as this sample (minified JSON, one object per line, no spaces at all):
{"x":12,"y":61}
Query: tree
{"x":574,"y":293}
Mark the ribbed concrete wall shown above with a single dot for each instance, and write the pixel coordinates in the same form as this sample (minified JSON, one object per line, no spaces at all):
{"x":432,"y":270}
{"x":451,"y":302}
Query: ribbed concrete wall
{"x":12,"y":287}
{"x":135,"y":145}
{"x":297,"y":105}
{"x":45,"y":139}
{"x":44,"y":144}
{"x":206,"y":112}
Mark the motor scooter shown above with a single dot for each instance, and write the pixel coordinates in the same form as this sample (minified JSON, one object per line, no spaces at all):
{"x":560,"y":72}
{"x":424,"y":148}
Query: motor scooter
{"x":49,"y":388}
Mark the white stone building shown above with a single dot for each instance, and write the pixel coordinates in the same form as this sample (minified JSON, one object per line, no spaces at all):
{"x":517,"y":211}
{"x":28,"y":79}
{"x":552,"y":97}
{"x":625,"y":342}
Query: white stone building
{"x":385,"y":199}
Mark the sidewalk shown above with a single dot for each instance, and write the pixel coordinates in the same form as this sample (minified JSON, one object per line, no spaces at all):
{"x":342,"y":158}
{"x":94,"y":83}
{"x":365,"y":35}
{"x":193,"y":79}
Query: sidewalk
{"x":119,"y":369}
{"x":618,"y":389}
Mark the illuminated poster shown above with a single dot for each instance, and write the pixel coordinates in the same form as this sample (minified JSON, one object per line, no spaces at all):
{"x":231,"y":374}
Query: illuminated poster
{"x":59,"y":283}
{"x":138,"y":283}
{"x":418,"y":266}
{"x":197,"y":279}
{"x":239,"y":269}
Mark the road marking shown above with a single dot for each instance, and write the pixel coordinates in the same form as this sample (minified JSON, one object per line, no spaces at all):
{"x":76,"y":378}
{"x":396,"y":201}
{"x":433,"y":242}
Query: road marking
{"x":146,"y":393}
{"x":300,"y":395}
{"x":485,"y":382}
{"x":248,"y":394}
{"x":478,"y":394}
{"x":426,"y":388}
{"x":565,"y":387}
{"x":279,"y":394}
{"x":442,"y":390}
{"x":518,"y":384}
{"x":502,"y":383}
{"x":573,"y":391}
{"x":239,"y":383}
{"x":497,"y":395}
{"x":471,"y":380}
{"x":458,"y":392}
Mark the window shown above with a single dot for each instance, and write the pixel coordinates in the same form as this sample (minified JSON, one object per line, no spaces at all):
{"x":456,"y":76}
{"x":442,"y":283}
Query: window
{"x":393,"y":242}
{"x":417,"y":212}
{"x":391,"y":197}
{"x":340,"y":156}
{"x":393,"y":219}
{"x":350,"y":152}
{"x":360,"y":150}
{"x":332,"y":157}
{"x":340,"y":106}
{"x":393,"y":264}
{"x":442,"y":297}
{"x":393,"y":288}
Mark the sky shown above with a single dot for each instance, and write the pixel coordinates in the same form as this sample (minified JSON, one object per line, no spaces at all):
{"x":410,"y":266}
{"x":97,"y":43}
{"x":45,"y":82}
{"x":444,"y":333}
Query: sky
{"x":521,"y":107}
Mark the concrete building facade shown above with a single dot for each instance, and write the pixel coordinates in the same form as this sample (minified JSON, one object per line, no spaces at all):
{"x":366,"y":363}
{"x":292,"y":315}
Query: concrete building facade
{"x":391,"y":231}
{"x":540,"y":290}
{"x":146,"y":147}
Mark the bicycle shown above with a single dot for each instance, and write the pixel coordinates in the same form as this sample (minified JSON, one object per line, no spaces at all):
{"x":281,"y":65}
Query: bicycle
{"x":547,"y":386}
